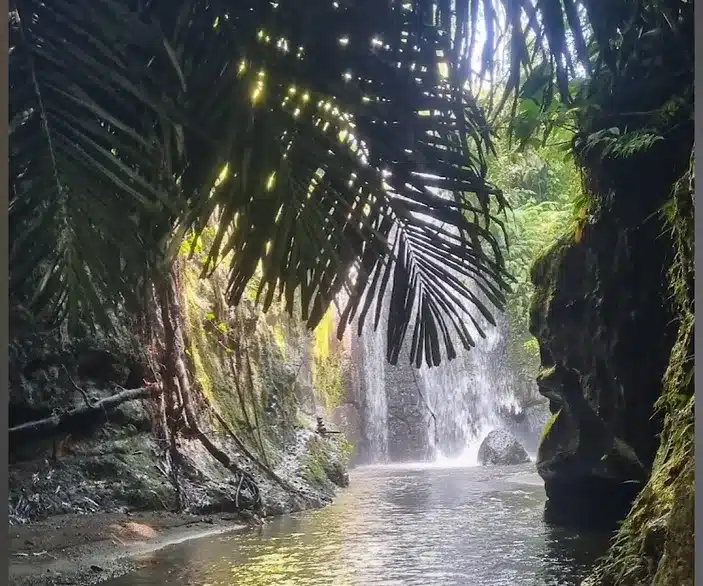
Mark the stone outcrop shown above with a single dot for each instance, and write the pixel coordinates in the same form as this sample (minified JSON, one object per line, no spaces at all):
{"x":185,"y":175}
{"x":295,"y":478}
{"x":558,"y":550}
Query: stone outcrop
{"x":256,"y":371}
{"x":605,"y":333}
{"x":655,"y":544}
{"x":606,"y":325}
{"x":604,"y":337}
{"x":501,"y":448}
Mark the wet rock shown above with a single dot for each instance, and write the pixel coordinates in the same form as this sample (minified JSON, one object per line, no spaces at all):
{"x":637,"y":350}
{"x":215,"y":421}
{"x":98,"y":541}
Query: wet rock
{"x":347,"y":419}
{"x":605,"y":339}
{"x":501,"y":448}
{"x":527,"y":424}
{"x":591,"y":475}
{"x":337,"y":474}
{"x":116,"y":464}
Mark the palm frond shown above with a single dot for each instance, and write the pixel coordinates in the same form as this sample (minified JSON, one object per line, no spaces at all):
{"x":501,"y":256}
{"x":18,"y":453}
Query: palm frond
{"x":84,"y":171}
{"x":337,"y":141}
{"x":353,"y":142}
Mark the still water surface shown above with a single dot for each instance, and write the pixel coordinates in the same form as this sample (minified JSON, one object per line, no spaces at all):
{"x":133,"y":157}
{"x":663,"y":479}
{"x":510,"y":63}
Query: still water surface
{"x":395,"y":525}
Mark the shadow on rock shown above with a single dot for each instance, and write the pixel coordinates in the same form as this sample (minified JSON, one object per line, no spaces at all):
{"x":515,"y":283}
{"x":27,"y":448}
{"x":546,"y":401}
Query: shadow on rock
{"x":591,"y":505}
{"x":570,"y":556}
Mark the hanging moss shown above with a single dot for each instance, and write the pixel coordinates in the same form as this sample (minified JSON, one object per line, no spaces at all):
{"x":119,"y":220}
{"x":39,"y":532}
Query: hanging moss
{"x":196,"y":332}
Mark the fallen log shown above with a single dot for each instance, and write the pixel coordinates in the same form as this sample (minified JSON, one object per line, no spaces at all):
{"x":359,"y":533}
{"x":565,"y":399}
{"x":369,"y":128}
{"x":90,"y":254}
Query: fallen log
{"x":71,"y":418}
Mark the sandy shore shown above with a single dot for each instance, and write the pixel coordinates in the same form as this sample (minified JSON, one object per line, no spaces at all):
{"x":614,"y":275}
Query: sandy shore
{"x":86,"y":549}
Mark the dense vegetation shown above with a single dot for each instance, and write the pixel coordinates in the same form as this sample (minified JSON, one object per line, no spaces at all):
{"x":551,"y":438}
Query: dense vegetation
{"x":543,"y":188}
{"x":334,"y":141}
{"x":123,"y":115}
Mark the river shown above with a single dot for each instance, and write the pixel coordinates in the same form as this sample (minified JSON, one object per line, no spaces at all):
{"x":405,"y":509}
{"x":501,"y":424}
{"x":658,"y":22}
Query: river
{"x":395,"y":525}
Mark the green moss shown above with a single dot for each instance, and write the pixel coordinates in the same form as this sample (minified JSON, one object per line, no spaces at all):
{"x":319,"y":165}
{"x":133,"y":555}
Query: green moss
{"x":655,"y":544}
{"x":206,"y":352}
{"x":546,"y":265}
{"x":545,"y":276}
{"x":246,"y":364}
{"x":316,"y":462}
{"x":347,"y":449}
{"x":279,"y":337}
{"x":548,"y":426}
{"x":327,"y":374}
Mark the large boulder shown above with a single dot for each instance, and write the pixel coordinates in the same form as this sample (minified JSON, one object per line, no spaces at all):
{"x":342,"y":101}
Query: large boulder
{"x":501,"y":448}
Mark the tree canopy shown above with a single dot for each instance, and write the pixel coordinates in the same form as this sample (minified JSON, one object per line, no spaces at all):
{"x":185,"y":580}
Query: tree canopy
{"x":337,"y":145}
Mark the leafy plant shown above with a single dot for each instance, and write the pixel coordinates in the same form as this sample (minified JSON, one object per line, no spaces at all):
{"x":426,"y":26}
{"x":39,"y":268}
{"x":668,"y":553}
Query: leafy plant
{"x":138,"y":124}
{"x":336,"y":141}
{"x":543,"y":188}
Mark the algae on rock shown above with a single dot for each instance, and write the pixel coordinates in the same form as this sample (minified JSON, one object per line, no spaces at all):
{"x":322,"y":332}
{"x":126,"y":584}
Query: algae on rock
{"x":252,"y":379}
{"x":655,"y":544}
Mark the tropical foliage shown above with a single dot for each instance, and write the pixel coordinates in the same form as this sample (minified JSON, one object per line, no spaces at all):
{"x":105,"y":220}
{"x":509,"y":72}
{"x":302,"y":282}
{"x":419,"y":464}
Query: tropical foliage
{"x":543,"y":188}
{"x":124,"y":114}
{"x":320,"y":146}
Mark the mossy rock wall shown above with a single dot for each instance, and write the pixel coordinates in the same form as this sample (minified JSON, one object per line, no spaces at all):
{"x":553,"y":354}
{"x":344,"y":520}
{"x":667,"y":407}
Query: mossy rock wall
{"x":604,"y":336}
{"x":267,"y":375}
{"x":605,"y":324}
{"x":613,"y":316}
{"x":655,"y":544}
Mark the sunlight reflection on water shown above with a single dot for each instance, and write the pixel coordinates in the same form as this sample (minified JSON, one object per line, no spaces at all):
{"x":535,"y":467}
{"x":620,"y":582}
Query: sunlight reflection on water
{"x":437,"y":525}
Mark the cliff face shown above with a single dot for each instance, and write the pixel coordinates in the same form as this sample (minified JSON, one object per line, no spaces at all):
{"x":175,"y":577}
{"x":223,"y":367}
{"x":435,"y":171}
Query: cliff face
{"x":260,"y":381}
{"x":604,"y":335}
{"x":613,"y":316}
{"x":655,"y":544}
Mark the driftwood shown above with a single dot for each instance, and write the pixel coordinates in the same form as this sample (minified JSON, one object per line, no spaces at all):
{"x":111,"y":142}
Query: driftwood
{"x":72,"y":417}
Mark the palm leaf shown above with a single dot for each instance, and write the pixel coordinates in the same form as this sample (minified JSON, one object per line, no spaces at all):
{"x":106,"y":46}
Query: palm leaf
{"x":82,"y":172}
{"x":355,"y":149}
{"x":336,"y":138}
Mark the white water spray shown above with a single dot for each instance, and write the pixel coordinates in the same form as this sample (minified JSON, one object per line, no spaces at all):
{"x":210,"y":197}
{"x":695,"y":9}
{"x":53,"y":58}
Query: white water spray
{"x":466,"y":396}
{"x":373,"y":364}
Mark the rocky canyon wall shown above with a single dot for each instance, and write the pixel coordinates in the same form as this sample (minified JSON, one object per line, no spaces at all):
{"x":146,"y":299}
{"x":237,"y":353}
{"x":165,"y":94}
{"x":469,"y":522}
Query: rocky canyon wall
{"x":261,"y":379}
{"x":613,"y":316}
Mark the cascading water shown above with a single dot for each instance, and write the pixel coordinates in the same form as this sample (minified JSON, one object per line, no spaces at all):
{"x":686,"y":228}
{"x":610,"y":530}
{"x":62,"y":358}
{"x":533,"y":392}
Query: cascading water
{"x":467,"y":396}
{"x":455,"y":405}
{"x":375,"y":405}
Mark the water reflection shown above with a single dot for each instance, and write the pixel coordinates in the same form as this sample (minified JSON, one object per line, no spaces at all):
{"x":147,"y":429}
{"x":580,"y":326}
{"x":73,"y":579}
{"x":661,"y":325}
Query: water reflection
{"x":481,"y":527}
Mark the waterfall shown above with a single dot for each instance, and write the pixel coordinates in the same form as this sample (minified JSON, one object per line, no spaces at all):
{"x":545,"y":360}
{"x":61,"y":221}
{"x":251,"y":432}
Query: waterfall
{"x":437,"y":413}
{"x":375,"y":406}
{"x":467,"y":396}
